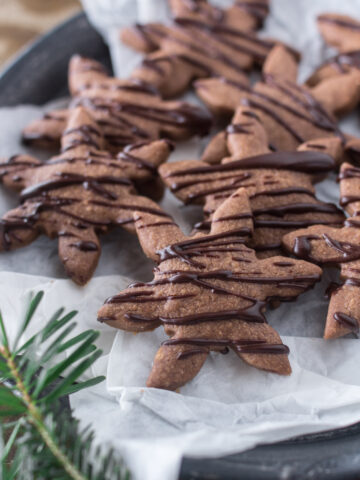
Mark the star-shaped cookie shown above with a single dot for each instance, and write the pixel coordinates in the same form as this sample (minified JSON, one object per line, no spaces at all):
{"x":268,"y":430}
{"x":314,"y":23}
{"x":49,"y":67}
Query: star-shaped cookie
{"x":279,"y":184}
{"x":78,"y":194}
{"x":203,"y":41}
{"x":209,"y":292}
{"x":127,"y":111}
{"x":340,"y":247}
{"x":291,"y":113}
{"x":343,"y":33}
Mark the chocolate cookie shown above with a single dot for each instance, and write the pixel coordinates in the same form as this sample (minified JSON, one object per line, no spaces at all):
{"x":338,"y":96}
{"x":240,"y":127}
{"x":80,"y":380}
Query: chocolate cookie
{"x":209,"y":292}
{"x":279,"y":184}
{"x":204,"y":41}
{"x":79,"y":194}
{"x":341,"y":247}
{"x":127,"y":111}
{"x":291,"y":114}
{"x":342,"y":32}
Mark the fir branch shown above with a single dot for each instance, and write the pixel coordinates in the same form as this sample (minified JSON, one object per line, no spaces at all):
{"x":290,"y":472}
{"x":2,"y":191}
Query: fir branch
{"x":46,"y":439}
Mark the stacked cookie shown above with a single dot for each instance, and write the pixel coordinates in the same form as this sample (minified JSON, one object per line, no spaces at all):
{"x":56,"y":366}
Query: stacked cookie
{"x":255,"y":181}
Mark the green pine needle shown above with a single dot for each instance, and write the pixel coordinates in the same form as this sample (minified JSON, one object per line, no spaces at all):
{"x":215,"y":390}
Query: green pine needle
{"x":46,"y":442}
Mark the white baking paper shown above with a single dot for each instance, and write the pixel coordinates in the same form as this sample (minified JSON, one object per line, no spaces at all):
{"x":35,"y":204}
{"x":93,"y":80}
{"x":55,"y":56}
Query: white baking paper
{"x":229,"y":406}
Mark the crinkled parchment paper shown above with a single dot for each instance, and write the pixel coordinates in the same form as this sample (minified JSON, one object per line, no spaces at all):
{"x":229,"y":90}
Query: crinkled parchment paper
{"x":229,"y":406}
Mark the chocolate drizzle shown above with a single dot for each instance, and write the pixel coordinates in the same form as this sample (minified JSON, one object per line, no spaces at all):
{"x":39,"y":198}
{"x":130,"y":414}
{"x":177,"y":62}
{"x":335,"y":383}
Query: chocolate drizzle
{"x":351,"y":25}
{"x":202,"y":246}
{"x":223,"y":45}
{"x":250,"y":314}
{"x":351,"y":172}
{"x":297,"y":208}
{"x":281,"y":211}
{"x":343,"y":60}
{"x":259,"y":10}
{"x":210,"y":12}
{"x":226,"y":36}
{"x":184,"y":116}
{"x":85,"y":246}
{"x":242,"y":346}
{"x":302,"y":247}
{"x":297,"y":96}
{"x":69,"y":179}
{"x":347,"y":321}
{"x":347,"y":199}
{"x":284,"y":191}
{"x":307,"y":162}
{"x":238,"y":128}
{"x":348,"y":251}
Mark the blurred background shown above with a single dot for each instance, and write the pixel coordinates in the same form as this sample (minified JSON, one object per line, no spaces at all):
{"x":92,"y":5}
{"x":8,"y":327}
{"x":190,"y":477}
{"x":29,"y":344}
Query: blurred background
{"x":21,"y":21}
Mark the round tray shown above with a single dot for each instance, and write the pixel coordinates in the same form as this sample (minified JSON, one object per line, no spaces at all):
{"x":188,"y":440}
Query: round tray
{"x":38,"y":75}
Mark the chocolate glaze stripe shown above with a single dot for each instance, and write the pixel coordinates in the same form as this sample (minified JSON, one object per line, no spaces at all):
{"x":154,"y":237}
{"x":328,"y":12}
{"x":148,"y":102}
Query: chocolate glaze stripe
{"x":351,"y":281}
{"x":298,"y":208}
{"x":106,"y":161}
{"x":276,"y":117}
{"x":181,"y":117}
{"x":144,"y":297}
{"x":352,"y":222}
{"x":33,"y":137}
{"x":236,"y":177}
{"x":125,"y":156}
{"x":348,"y":59}
{"x":284,"y":191}
{"x":7,"y":226}
{"x":347,"y":199}
{"x":301,"y":282}
{"x":320,"y":117}
{"x":134,"y":86}
{"x":69,"y":179}
{"x":143,"y":33}
{"x":223,"y":29}
{"x":124,"y":206}
{"x":280,"y":211}
{"x":85,"y":246}
{"x":351,"y":25}
{"x":158,"y":224}
{"x":219,"y":35}
{"x":236,"y":128}
{"x":349,"y":251}
{"x":57,"y":116}
{"x":322,"y":121}
{"x":213,"y":13}
{"x":237,"y":216}
{"x":258,"y":10}
{"x":92,"y":66}
{"x":153,"y":63}
{"x":83,"y":130}
{"x":241,"y":345}
{"x":184,"y":249}
{"x":45,"y":203}
{"x":184,"y":116}
{"x":224,"y":188}
{"x":274,"y":192}
{"x":251,"y":314}
{"x":352,"y":172}
{"x":347,"y":321}
{"x":292,"y":224}
{"x":307,"y":162}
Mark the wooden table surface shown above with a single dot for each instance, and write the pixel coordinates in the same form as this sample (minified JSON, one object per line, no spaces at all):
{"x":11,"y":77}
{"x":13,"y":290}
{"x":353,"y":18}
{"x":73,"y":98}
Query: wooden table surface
{"x":21,"y":21}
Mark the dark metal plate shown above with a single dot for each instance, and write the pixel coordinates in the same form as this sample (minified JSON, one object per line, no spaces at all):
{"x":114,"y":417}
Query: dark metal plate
{"x":39,"y":75}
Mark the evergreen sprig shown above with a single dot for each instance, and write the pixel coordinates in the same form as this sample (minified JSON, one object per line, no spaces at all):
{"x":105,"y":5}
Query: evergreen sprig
{"x":43,"y":440}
